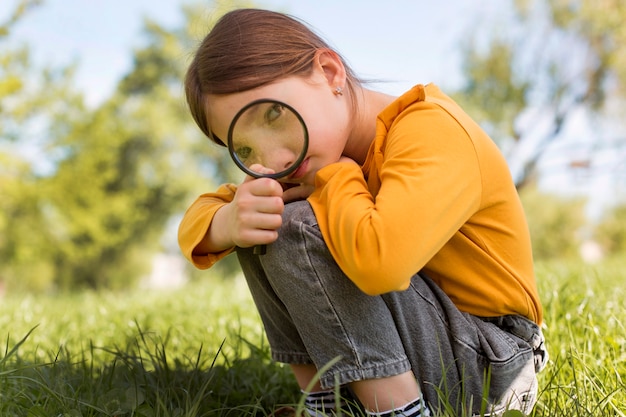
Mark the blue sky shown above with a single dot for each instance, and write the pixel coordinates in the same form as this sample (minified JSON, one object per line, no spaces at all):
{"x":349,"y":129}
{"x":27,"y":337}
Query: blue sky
{"x":404,"y":43}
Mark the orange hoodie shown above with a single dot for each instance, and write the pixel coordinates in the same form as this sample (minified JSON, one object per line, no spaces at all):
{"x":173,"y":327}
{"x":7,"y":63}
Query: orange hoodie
{"x":435,"y":194}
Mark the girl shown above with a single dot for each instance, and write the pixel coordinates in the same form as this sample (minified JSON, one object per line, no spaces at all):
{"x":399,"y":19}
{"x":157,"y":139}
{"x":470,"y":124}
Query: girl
{"x":401,"y":256}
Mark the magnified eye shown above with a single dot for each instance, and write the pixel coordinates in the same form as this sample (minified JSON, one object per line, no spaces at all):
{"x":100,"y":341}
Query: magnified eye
{"x":274,"y":112}
{"x":243,"y":153}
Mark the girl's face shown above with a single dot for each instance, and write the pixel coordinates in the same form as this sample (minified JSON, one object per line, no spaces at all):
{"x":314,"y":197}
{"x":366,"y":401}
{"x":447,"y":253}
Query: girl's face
{"x":326,"y":116}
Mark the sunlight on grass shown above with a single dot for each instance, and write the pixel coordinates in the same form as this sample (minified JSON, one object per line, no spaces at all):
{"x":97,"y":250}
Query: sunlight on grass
{"x":201,"y":351}
{"x":200,"y":314}
{"x":585,"y":322}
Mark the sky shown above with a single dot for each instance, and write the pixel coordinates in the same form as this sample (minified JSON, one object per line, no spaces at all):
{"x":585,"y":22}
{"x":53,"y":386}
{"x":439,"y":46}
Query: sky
{"x":404,"y":43}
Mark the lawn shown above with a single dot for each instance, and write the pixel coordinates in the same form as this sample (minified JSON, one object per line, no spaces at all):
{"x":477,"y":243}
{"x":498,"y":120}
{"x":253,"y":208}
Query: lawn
{"x":201,"y":351}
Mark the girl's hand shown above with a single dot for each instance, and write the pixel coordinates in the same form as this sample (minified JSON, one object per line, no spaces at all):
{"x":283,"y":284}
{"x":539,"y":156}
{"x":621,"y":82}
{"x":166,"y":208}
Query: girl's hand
{"x":251,"y":218}
{"x":255,"y":214}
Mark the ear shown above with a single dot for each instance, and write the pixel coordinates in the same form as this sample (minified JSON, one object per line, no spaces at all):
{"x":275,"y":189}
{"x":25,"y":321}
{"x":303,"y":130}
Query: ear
{"x":331,"y":67}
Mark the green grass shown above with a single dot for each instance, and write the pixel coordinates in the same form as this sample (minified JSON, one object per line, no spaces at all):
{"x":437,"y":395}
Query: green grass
{"x":201,"y":351}
{"x":585,"y":317}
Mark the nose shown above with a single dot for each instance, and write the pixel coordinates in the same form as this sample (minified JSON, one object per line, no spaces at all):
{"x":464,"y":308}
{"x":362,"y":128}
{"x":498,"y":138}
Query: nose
{"x":279,"y":159}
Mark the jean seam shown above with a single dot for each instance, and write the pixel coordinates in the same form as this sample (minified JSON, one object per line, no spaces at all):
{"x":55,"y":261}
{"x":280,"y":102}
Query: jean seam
{"x":345,"y":376}
{"x":355,"y":355}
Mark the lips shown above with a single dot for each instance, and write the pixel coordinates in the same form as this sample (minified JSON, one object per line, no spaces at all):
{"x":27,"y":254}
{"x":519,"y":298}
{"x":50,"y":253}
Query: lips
{"x":301,"y":171}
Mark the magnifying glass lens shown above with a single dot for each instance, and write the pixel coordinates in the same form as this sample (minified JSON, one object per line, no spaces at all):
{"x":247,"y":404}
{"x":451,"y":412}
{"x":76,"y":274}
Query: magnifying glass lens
{"x":268,"y":136}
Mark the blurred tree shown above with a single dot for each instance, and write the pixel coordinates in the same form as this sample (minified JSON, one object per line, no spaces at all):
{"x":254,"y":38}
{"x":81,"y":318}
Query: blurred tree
{"x":113,"y":175}
{"x":554,"y":223}
{"x":16,"y":14}
{"x":559,"y":57}
{"x":611,"y":233}
{"x":34,"y":103}
{"x":133,"y":163}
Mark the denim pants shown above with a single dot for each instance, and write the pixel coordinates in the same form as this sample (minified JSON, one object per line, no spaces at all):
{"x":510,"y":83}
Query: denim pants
{"x":313,"y":313}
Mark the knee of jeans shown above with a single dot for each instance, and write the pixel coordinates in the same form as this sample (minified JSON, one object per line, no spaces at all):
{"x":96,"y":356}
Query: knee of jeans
{"x":299,"y":212}
{"x":296,"y":215}
{"x":284,"y":256}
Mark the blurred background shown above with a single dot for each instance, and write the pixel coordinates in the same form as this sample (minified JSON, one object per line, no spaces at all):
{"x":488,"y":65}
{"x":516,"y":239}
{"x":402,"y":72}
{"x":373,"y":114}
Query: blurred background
{"x":99,"y":157}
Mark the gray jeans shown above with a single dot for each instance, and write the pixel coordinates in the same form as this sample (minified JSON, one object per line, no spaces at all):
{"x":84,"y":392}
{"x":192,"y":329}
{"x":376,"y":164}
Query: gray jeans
{"x":312,"y":313}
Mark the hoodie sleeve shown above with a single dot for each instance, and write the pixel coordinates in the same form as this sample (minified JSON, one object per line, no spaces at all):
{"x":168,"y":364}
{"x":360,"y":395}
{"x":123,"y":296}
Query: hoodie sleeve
{"x":429,"y":186}
{"x":196,"y":222}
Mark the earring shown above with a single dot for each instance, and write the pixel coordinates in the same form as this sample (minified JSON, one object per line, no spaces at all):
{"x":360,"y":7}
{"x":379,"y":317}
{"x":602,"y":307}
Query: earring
{"x":338,"y":91}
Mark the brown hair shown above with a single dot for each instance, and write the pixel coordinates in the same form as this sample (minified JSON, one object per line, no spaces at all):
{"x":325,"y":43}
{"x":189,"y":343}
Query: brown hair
{"x":248,"y":48}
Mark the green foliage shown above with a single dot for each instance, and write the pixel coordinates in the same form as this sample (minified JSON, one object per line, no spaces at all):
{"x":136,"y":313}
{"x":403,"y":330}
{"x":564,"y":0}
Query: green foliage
{"x":113,"y":192}
{"x":20,"y":8}
{"x":493,"y":91}
{"x":23,"y":231}
{"x":24,"y":92}
{"x":130,"y":167}
{"x":554,"y":58}
{"x":558,"y":226}
{"x":91,"y":210}
{"x":554,"y":224}
{"x":200,"y":351}
{"x":600,"y":24}
{"x":611,"y":232}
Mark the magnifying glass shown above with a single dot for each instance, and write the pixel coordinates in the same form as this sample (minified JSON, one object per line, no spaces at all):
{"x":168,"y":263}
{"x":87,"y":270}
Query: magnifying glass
{"x":268,"y":139}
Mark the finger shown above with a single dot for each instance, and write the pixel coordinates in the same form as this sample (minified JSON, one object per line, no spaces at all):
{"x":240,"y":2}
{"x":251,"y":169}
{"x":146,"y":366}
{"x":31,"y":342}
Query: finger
{"x":265,"y":187}
{"x":248,"y":202}
{"x":260,"y":169}
{"x":259,"y":228}
{"x":269,"y":205}
{"x":255,"y":237}
{"x":259,"y":221}
{"x":269,"y":221}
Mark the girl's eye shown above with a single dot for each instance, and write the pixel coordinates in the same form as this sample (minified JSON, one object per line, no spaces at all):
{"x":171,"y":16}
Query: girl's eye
{"x":243,"y":152}
{"x":274,"y":112}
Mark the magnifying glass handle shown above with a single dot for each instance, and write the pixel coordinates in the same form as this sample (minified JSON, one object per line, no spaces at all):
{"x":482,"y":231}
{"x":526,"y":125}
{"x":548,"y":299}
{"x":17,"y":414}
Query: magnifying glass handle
{"x":259,"y":249}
